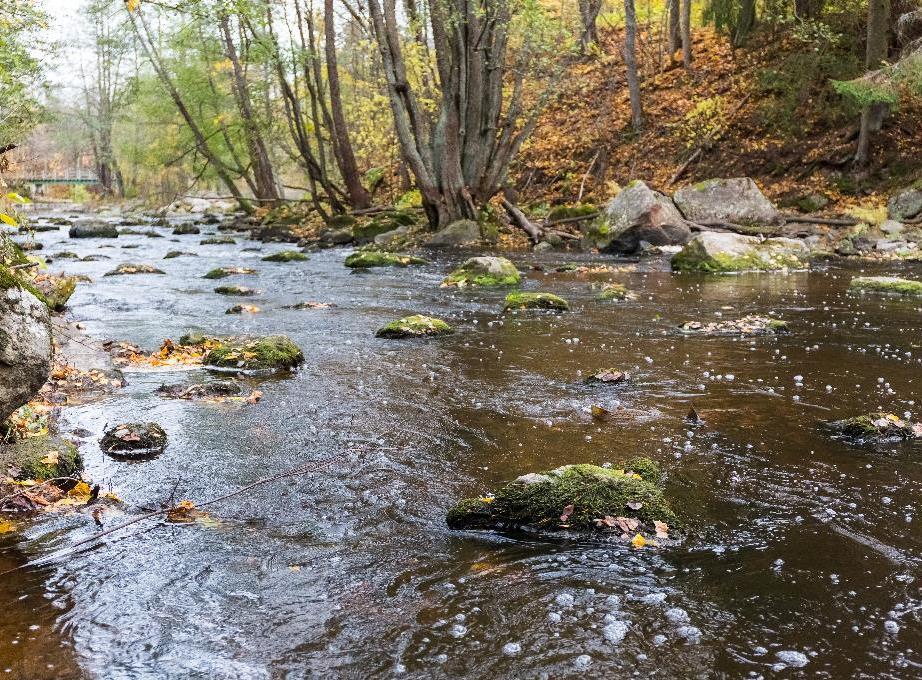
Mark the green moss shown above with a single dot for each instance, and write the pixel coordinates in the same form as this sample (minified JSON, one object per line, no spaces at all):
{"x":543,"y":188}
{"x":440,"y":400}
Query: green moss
{"x":193,"y":338}
{"x":340,"y":221}
{"x":224,"y":272}
{"x":240,"y":291}
{"x":614,"y":291}
{"x":415,"y":326}
{"x":688,"y":261}
{"x":484,"y":272}
{"x":273,"y":351}
{"x":382,"y":223}
{"x":218,"y":241}
{"x":539,"y":500}
{"x":286,"y":256}
{"x":549,"y":301}
{"x":365,"y":259}
{"x":562,"y":212}
{"x":10,"y":279}
{"x":875,"y":426}
{"x":177,"y":253}
{"x":57,"y":290}
{"x":41,"y":458}
{"x":886,"y":284}
{"x":128,"y":268}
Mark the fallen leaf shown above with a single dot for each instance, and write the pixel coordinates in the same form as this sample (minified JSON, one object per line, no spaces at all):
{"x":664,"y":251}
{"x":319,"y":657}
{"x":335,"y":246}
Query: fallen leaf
{"x":7,"y":527}
{"x":638,"y":541}
{"x":567,"y":511}
{"x":600,"y":412}
{"x":627,"y":524}
{"x":634,"y":505}
{"x":51,"y":458}
{"x":662,"y":529}
{"x":254,"y":397}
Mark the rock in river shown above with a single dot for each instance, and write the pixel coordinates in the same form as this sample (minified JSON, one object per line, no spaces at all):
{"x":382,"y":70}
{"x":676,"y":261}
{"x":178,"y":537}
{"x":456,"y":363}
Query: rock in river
{"x":637,"y":214}
{"x":40,"y":458}
{"x":239,"y":291}
{"x":626,"y":501}
{"x":415,"y":326}
{"x":737,"y":200}
{"x":134,"y":440}
{"x":365,"y":259}
{"x":209,"y":390}
{"x":459,"y":233}
{"x":907,"y":204}
{"x":484,"y":271}
{"x":721,"y":252}
{"x":185,"y":229}
{"x":273,"y":351}
{"x":886,"y":284}
{"x":25,"y":344}
{"x":609,"y":376}
{"x":131,"y":268}
{"x":615,"y":292}
{"x":752,"y":324}
{"x":224,"y":272}
{"x":93,"y":229}
{"x":548,"y":301}
{"x":876,"y":428}
{"x":286,"y":256}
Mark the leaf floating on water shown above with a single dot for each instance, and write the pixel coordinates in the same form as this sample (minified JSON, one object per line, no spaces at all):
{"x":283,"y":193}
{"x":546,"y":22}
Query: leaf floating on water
{"x":662,"y":529}
{"x":567,"y":511}
{"x":638,"y":541}
{"x":7,"y":527}
{"x":185,"y":512}
{"x":254,"y":397}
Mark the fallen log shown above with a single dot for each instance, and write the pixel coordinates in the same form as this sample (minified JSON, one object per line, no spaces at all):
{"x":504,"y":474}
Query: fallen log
{"x":520,"y":220}
{"x":834,"y":221}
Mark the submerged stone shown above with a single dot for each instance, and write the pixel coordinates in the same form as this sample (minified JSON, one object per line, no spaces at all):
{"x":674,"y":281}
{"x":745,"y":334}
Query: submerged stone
{"x":609,"y":376}
{"x":415,"y":326}
{"x":224,"y":272}
{"x":547,"y":301}
{"x":134,"y":440}
{"x":721,"y":252}
{"x":132,"y":268}
{"x":240,"y":291}
{"x":184,"y":229}
{"x":218,"y":241}
{"x":485,"y":272}
{"x":886,"y":284}
{"x":40,"y":458}
{"x":748,"y":325}
{"x":270,"y":352}
{"x":208,"y":390}
{"x":286,"y":256}
{"x":365,"y":259}
{"x":585,"y":498}
{"x":615,"y":291}
{"x":876,"y":428}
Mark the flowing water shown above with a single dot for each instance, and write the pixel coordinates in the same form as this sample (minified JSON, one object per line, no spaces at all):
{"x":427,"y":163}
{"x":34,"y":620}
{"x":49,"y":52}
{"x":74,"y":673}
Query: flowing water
{"x":804,"y":557}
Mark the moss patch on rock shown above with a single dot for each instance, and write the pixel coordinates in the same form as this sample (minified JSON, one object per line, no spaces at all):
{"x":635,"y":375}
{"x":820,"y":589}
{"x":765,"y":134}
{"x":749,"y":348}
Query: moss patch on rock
{"x":415,"y":326}
{"x":134,"y":440}
{"x":178,"y":253}
{"x":57,"y":290}
{"x":574,"y":497}
{"x":185,"y":229}
{"x":365,"y":259}
{"x":484,"y":272}
{"x":127,"y":268}
{"x":546,"y":301}
{"x":614,"y":292}
{"x":40,"y":458}
{"x":886,"y":284}
{"x":270,"y":352}
{"x":224,"y":272}
{"x":218,"y":241}
{"x":719,"y":253}
{"x":876,"y":427}
{"x":564,"y":212}
{"x":286,"y":256}
{"x":238,"y":291}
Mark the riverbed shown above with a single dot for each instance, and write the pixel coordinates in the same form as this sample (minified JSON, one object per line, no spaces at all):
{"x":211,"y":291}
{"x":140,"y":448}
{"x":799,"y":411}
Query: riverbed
{"x":804,"y":552}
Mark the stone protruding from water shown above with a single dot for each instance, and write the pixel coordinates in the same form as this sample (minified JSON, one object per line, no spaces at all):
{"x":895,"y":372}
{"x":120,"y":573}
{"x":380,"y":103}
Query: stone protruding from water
{"x":286,"y":256}
{"x":57,"y":289}
{"x":270,"y":352}
{"x":214,"y":389}
{"x":25,"y":349}
{"x":637,"y":214}
{"x":752,"y":324}
{"x":459,"y":233}
{"x":218,"y":241}
{"x":236,"y":291}
{"x":737,"y":201}
{"x":876,"y":427}
{"x":625,"y":501}
{"x":224,"y":272}
{"x":93,"y":230}
{"x":484,"y":272}
{"x":366,"y":259}
{"x":186,"y":229}
{"x":40,"y":458}
{"x":607,"y":376}
{"x":723,"y":252}
{"x":415,"y":326}
{"x":134,"y":268}
{"x":544,"y":301}
{"x":886,"y":284}
{"x":615,"y":292}
{"x":134,"y":440}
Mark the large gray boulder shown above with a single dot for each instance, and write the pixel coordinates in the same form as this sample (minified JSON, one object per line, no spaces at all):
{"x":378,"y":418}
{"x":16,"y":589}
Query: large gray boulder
{"x":736,"y":200}
{"x":637,"y":214}
{"x":906,"y":205}
{"x":719,"y":252}
{"x":89,"y":227}
{"x":25,"y":346}
{"x":459,"y":233}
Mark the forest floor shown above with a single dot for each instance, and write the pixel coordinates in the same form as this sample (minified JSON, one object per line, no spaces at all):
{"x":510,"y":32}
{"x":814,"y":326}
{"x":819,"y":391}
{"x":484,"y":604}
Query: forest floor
{"x":767,"y":111}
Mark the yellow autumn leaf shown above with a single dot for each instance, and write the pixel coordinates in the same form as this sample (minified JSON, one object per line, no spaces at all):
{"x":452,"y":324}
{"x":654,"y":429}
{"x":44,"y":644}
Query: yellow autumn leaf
{"x":7,"y":527}
{"x":132,"y":4}
{"x":6,"y":219}
{"x":82,"y":490}
{"x":51,"y":458}
{"x":13,"y":196}
{"x":638,"y":541}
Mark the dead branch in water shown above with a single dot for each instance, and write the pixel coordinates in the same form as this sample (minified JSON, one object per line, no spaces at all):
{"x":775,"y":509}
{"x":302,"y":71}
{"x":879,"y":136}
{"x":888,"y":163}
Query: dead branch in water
{"x":520,"y":220}
{"x":834,"y":221}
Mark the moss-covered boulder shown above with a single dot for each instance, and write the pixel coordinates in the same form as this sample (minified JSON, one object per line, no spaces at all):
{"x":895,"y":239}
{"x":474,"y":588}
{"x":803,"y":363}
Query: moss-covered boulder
{"x":415,"y":326}
{"x":484,"y":272}
{"x":606,"y":376}
{"x":127,"y":268}
{"x":458,"y":233}
{"x":636,"y":215}
{"x":569,"y":212}
{"x":286,"y":256}
{"x":906,"y":204}
{"x":365,"y":230}
{"x":886,"y":284}
{"x":270,"y":352}
{"x":40,"y":458}
{"x":178,"y":253}
{"x":546,"y":301}
{"x":627,"y":500}
{"x":134,"y":440}
{"x":56,"y":289}
{"x":753,"y":324}
{"x":722,"y":252}
{"x":614,"y":292}
{"x":66,"y":255}
{"x":186,"y":229}
{"x":876,"y":427}
{"x":218,"y":241}
{"x":365,"y":259}
{"x":238,"y":291}
{"x":93,"y":230}
{"x":224,"y":272}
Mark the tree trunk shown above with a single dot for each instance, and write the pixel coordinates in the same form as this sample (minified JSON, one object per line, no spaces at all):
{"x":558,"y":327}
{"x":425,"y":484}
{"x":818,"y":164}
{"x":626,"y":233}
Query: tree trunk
{"x":877,"y":50}
{"x":630,"y":61}
{"x":589,"y":14}
{"x":342,"y":144}
{"x":685,"y":29}
{"x":745,"y":23}
{"x":675,"y":31}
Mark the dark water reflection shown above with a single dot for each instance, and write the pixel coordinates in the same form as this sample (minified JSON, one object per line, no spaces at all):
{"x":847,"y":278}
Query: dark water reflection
{"x":802,"y":544}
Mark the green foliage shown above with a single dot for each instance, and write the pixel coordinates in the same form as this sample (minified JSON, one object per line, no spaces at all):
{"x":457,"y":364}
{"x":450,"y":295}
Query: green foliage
{"x":20,"y":70}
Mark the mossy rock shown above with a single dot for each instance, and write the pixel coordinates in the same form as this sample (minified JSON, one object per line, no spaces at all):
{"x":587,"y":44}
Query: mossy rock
{"x":214,"y":389}
{"x":127,"y":268}
{"x":563,"y":212}
{"x":365,"y":259}
{"x":224,"y":272}
{"x":218,"y":241}
{"x":66,"y":255}
{"x":134,"y":440}
{"x":93,"y":231}
{"x":239,"y":291}
{"x":57,"y":290}
{"x":185,"y":229}
{"x":415,"y":326}
{"x":286,"y":256}
{"x":484,"y":272}
{"x":178,"y":253}
{"x":572,"y":497}
{"x":270,"y":352}
{"x":876,"y":428}
{"x":12,"y":279}
{"x":337,"y":222}
{"x":753,"y":324}
{"x":614,"y":292}
{"x":546,"y":301}
{"x":194,"y":339}
{"x":40,"y":458}
{"x":382,"y":223}
{"x":886,"y":284}
{"x":713,"y":252}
